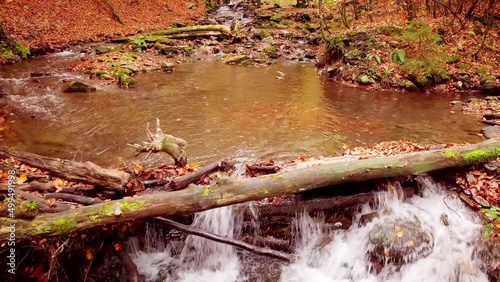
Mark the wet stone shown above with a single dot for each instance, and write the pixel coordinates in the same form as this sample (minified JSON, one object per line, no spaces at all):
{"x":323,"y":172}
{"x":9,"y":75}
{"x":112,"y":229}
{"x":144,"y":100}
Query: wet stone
{"x":400,"y":241}
{"x":491,"y":131}
{"x":79,"y":87}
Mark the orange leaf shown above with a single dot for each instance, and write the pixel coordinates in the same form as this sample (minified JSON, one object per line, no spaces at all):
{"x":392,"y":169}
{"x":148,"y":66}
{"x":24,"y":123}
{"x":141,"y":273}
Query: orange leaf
{"x":90,"y":254}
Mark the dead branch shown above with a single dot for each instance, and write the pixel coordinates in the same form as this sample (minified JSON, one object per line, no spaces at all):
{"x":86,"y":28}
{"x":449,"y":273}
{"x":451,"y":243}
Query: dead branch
{"x":74,"y":198}
{"x":225,"y":240}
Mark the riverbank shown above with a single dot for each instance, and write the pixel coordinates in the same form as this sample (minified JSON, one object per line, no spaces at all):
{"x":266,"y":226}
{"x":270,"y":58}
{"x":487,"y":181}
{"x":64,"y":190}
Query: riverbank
{"x":48,"y":26}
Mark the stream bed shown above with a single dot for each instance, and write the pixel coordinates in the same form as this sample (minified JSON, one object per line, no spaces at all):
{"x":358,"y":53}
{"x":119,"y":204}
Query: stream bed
{"x":222,"y":111}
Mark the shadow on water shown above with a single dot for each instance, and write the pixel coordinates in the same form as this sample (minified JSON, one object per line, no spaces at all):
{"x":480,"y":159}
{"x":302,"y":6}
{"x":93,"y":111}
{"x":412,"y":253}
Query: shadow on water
{"x":222,"y":111}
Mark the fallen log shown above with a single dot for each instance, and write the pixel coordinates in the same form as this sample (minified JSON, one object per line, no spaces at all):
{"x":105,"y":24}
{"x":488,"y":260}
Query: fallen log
{"x":196,"y":198}
{"x":226,"y":240}
{"x":73,"y":171}
{"x":319,"y":204}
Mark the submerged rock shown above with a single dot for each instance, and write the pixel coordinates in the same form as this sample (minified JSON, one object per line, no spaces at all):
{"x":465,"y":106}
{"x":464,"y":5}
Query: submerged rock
{"x":167,"y":66}
{"x":491,"y":131}
{"x":79,"y":87}
{"x":400,"y":241}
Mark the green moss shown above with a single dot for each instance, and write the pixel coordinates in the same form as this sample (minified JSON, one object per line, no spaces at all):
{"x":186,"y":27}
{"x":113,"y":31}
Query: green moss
{"x":107,"y":210}
{"x":130,"y":206}
{"x":266,"y":192}
{"x":94,"y":219}
{"x":451,"y":154}
{"x":206,"y":192}
{"x":31,"y":205}
{"x":42,"y":231}
{"x":481,"y":155}
{"x":65,"y":225}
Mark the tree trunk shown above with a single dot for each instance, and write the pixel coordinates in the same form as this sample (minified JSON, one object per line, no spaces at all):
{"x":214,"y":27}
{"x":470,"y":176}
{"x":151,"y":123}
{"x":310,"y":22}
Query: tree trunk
{"x":196,"y":198}
{"x":73,"y":171}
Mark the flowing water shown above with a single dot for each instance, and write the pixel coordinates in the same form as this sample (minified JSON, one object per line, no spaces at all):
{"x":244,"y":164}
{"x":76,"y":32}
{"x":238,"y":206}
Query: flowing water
{"x":242,"y":112}
{"x":220,"y":110}
{"x":339,"y":256}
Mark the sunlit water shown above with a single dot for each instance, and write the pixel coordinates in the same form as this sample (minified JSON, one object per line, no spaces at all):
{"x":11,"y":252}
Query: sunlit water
{"x":343,"y":259}
{"x":222,"y":111}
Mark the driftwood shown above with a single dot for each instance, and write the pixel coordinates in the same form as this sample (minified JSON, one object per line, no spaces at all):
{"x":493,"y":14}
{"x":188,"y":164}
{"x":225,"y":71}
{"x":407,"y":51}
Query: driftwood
{"x":226,"y":240}
{"x":196,"y":198}
{"x":73,"y":171}
{"x":161,"y":142}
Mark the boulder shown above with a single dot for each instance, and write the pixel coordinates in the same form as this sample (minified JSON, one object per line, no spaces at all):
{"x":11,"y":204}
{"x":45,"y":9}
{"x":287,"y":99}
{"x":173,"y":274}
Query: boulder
{"x":400,"y":241}
{"x":491,"y":88}
{"x":102,"y":50}
{"x":486,"y":78}
{"x":79,"y":87}
{"x":491,"y":131}
{"x":423,"y":81}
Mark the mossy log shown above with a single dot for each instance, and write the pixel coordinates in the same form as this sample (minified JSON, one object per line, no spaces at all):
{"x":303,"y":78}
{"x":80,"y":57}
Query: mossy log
{"x":196,"y":28}
{"x":234,"y":31}
{"x":74,"y":171}
{"x":196,"y":198}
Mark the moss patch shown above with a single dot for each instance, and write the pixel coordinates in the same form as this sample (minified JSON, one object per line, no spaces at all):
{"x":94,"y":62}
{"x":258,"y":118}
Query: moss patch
{"x":31,"y":205}
{"x":65,"y":225}
{"x":130,"y":206}
{"x":481,"y":155}
{"x":451,"y":154}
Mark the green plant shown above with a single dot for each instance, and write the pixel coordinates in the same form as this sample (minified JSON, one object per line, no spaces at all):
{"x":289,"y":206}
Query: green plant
{"x":426,"y":56}
{"x":494,"y":214}
{"x":482,"y":70}
{"x":22,"y":50}
{"x":398,"y":56}
{"x":140,"y":44}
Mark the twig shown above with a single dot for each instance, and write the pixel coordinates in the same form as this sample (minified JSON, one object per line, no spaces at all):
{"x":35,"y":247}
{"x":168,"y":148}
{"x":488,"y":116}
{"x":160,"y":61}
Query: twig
{"x":225,"y":240}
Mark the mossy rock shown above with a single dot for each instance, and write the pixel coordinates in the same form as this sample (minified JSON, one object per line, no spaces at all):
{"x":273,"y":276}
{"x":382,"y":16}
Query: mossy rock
{"x":126,"y":80}
{"x":79,"y":87}
{"x":408,"y":85}
{"x":487,"y":78}
{"x":271,"y":51}
{"x":235,"y":59}
{"x":423,"y":81}
{"x":365,"y":79}
{"x":400,"y":241}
